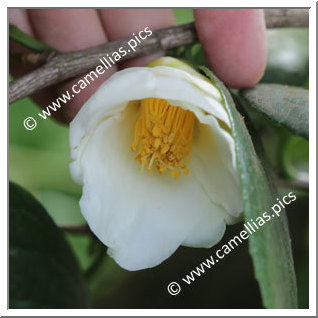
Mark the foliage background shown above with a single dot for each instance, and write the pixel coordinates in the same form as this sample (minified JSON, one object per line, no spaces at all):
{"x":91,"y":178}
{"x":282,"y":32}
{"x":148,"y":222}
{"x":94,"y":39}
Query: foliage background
{"x":39,"y":161}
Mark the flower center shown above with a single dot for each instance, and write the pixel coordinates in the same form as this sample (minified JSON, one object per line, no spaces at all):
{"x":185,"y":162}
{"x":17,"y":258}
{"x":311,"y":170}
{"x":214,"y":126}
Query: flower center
{"x":163,"y":137}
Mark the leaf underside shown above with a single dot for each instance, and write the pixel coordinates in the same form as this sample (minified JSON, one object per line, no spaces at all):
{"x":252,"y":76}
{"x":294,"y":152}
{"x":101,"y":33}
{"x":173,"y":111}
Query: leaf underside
{"x":284,"y":104}
{"x":270,"y":246}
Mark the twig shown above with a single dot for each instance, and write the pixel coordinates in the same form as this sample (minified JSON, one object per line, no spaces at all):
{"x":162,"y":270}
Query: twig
{"x":297,"y":184}
{"x":33,"y":58}
{"x":280,"y":18}
{"x":77,"y":229}
{"x":67,"y":65}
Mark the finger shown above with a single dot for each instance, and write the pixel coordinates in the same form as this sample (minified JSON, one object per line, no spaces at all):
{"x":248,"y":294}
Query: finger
{"x":234,"y":42}
{"x":71,"y":30}
{"x":19,"y":18}
{"x":121,"y":23}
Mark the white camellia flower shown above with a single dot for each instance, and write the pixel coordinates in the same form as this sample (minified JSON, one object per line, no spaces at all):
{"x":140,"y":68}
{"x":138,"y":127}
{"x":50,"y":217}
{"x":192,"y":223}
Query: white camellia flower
{"x":154,"y":152}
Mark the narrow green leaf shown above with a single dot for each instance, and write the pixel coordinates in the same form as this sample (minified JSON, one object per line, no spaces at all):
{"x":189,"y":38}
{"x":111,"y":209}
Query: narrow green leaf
{"x":284,"y":104}
{"x":16,"y":35}
{"x":270,"y":246}
{"x":43,"y":272}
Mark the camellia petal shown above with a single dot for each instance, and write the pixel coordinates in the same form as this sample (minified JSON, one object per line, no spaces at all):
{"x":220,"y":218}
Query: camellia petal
{"x":144,"y":217}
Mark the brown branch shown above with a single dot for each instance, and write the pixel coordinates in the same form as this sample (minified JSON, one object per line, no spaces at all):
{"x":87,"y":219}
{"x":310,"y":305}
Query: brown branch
{"x":37,"y":59}
{"x":77,"y":229}
{"x":297,"y":184}
{"x":66,"y":65}
{"x":280,"y":18}
{"x":63,"y":66}
{"x":32,"y":58}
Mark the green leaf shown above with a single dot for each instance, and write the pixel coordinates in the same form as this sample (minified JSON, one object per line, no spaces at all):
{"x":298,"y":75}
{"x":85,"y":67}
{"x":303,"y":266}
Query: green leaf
{"x":287,"y":56}
{"x":191,"y":54}
{"x":295,"y":158}
{"x":284,"y":104}
{"x":62,"y":207}
{"x":16,"y":35}
{"x":183,"y":16}
{"x":43,"y":271}
{"x":30,"y":168}
{"x":269,"y":246}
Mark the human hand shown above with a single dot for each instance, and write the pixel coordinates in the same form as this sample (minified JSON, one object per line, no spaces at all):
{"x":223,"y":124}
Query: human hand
{"x":234,"y":41}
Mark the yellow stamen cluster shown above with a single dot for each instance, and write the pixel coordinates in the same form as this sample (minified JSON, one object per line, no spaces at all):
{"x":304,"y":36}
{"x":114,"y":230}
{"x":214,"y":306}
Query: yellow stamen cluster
{"x":163,"y":137}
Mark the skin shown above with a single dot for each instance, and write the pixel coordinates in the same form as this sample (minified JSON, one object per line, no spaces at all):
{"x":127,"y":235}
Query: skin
{"x":234,"y":42}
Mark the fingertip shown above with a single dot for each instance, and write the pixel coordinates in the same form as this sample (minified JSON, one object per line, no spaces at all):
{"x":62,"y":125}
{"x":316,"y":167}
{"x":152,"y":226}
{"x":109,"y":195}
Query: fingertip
{"x":133,"y":21}
{"x":234,"y":42}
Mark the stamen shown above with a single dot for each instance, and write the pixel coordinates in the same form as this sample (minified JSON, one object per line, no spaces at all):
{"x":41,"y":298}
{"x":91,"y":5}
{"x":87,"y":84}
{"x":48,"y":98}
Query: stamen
{"x":163,"y":137}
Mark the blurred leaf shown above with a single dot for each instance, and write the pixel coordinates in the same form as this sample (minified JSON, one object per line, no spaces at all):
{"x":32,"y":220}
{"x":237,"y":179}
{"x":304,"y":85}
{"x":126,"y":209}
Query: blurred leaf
{"x":62,"y":207}
{"x":183,"y":16}
{"x":284,"y":104}
{"x":38,"y":169}
{"x":48,"y":135}
{"x":82,"y":245}
{"x":192,"y":54}
{"x":43,"y":270}
{"x":287,"y":56}
{"x":16,"y":35}
{"x":303,"y":278}
{"x":270,"y":246}
{"x":295,"y":158}
{"x":39,"y":159}
{"x":113,"y":276}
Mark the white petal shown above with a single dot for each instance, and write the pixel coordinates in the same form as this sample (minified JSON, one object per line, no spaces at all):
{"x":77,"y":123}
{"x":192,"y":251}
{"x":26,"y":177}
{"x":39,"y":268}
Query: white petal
{"x":213,"y":165}
{"x":142,"y":218}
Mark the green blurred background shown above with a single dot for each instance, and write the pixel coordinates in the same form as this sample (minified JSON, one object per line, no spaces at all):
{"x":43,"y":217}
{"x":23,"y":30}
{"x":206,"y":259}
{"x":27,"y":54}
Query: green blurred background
{"x":39,"y":161}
